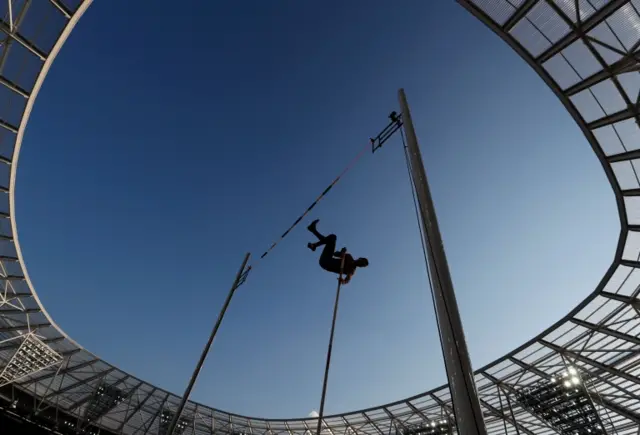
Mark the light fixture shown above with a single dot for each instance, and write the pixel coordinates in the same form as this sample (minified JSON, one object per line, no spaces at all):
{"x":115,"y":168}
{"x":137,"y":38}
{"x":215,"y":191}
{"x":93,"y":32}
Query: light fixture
{"x":32,"y":356}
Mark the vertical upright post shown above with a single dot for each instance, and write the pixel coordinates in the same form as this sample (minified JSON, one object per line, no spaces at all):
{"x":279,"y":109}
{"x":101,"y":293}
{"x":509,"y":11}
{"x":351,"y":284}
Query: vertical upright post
{"x":466,"y":405}
{"x":205,"y":351}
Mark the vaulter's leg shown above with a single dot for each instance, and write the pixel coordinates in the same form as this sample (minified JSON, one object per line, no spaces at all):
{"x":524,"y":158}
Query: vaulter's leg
{"x":327,"y":260}
{"x":313,"y":228}
{"x":321,"y":239}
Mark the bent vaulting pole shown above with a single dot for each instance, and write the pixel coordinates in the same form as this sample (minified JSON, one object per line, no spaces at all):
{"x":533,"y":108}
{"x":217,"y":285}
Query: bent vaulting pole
{"x":466,"y":405}
{"x":205,"y":351}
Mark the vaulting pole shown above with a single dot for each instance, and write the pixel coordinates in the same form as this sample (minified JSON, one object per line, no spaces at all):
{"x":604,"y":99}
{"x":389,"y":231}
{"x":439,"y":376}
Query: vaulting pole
{"x":328,"y":364}
{"x":205,"y":351}
{"x":464,"y":396}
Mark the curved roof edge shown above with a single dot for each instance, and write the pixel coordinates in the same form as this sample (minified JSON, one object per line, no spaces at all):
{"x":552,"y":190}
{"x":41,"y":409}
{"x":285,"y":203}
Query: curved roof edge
{"x":18,"y":147}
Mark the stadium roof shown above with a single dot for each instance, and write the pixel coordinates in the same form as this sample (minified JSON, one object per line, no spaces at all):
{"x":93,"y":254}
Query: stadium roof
{"x":586,"y":51}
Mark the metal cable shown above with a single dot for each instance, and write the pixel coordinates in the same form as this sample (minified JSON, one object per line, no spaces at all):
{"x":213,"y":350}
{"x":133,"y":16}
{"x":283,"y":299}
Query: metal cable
{"x":416,"y":201}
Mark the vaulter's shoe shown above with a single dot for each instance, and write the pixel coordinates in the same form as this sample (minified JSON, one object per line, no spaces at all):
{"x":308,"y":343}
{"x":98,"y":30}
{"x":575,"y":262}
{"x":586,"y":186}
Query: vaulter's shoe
{"x":312,"y":226}
{"x":311,"y":246}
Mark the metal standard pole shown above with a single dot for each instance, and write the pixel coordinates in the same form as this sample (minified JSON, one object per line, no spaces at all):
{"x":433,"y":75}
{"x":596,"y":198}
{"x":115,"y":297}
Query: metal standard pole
{"x":187,"y":392}
{"x":464,"y":396}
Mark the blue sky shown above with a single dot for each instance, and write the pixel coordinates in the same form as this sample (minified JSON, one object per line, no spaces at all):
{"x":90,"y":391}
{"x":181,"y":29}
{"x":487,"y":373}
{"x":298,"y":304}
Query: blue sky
{"x":167,"y":142}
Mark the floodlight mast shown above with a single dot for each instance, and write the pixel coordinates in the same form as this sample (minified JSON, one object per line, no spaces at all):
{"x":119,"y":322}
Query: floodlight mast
{"x":464,"y":396}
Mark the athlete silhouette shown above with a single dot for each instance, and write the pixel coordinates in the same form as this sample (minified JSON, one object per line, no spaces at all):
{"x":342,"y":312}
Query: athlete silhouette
{"x":331,"y":260}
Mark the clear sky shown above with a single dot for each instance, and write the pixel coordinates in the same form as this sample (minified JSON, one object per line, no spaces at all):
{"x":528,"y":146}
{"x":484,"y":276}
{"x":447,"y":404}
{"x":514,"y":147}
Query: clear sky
{"x":169,"y":141}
